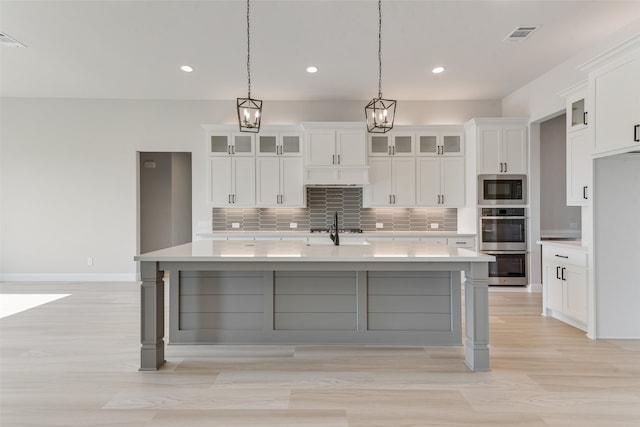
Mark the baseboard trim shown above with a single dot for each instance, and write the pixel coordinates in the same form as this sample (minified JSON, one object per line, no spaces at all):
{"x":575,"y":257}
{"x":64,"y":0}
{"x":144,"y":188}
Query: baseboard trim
{"x":67,"y":277}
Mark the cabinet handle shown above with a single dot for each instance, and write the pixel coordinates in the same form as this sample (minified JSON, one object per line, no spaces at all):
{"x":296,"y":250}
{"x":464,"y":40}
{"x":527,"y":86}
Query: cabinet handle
{"x":394,"y":199}
{"x":389,"y":150}
{"x":563,"y":270}
{"x":333,"y":159}
{"x":558,"y":273}
{"x":393,"y":150}
{"x":584,"y":192}
{"x":562,"y":256}
{"x":501,"y":167}
{"x":636,"y":137}
{"x":390,"y":202}
{"x":229,"y":198}
{"x":584,"y":118}
{"x":233,"y":149}
{"x":506,"y":167}
{"x":234,"y":198}
{"x":338,"y":158}
{"x":228,"y":149}
{"x":443,"y":199}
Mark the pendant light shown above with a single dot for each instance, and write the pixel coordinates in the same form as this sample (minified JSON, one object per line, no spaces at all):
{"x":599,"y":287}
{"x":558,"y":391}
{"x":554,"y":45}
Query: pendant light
{"x":249,"y":110}
{"x":380,"y":113}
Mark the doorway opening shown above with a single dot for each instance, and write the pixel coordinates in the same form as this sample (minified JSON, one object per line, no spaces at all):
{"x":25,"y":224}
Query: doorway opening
{"x":164,"y":200}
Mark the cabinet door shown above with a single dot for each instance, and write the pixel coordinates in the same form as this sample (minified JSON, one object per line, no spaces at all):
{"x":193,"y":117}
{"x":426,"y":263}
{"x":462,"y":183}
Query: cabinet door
{"x":244,"y":181}
{"x":267,"y":145}
{"x":379,"y":188}
{"x":578,"y":168}
{"x":489,"y":151}
{"x":617,"y":105}
{"x":428,"y":144}
{"x":220,"y":188}
{"x":428,"y":171}
{"x":351,"y":147}
{"x":219,"y":145}
{"x":514,"y":150}
{"x":290,"y":144}
{"x":291,"y":185}
{"x":452,"y":144}
{"x":404,"y":181}
{"x":321,"y":147}
{"x":452,"y":181}
{"x":402,"y":144}
{"x":379,"y":145}
{"x":554,"y":286}
{"x":242,"y":145}
{"x":576,"y":293}
{"x":268,"y":181}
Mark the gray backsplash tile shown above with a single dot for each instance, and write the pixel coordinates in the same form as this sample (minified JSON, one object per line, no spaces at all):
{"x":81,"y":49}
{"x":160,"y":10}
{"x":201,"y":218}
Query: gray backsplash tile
{"x":321,"y":205}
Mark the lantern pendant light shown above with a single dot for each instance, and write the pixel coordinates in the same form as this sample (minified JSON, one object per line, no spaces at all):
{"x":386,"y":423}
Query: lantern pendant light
{"x":249,"y":110}
{"x":380,"y":113}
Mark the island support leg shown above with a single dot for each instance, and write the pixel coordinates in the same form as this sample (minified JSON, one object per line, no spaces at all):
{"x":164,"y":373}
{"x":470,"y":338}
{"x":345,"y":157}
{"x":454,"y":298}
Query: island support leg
{"x":476,"y":303}
{"x":151,"y":317}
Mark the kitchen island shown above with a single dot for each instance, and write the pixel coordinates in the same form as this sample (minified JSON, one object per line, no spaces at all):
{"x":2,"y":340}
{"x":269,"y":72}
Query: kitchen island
{"x":292,"y":292}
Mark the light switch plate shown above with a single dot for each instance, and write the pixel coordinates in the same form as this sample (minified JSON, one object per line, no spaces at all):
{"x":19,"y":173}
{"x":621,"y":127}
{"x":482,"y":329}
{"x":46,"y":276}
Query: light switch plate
{"x":235,"y":225}
{"x":379,"y":225}
{"x":293,"y":225}
{"x":434,"y":225}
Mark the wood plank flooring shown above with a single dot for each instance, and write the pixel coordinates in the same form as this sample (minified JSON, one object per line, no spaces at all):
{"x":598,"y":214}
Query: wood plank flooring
{"x":74,"y":362}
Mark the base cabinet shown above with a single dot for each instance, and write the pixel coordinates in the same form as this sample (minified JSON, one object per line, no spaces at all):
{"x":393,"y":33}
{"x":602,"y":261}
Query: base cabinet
{"x":565,"y":285}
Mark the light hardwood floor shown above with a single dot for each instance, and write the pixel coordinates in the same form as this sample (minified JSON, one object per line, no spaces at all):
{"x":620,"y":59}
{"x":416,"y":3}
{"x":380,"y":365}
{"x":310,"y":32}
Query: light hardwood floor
{"x":74,"y":361}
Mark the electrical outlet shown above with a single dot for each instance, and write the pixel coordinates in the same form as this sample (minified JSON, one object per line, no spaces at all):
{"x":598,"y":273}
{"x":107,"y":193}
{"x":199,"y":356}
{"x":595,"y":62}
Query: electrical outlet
{"x":235,"y":225}
{"x":89,"y":260}
{"x":573,"y":225}
{"x":435,"y":225}
{"x":379,"y":225}
{"x":293,"y":225}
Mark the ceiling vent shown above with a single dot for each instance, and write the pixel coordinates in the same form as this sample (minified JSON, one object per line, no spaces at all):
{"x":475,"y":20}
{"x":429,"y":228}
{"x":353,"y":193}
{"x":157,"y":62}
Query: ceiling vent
{"x":8,"y":41}
{"x":521,"y":33}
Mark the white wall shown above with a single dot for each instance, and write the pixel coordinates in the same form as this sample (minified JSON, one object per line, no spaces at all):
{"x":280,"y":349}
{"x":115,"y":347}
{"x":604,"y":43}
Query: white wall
{"x":68,"y":172}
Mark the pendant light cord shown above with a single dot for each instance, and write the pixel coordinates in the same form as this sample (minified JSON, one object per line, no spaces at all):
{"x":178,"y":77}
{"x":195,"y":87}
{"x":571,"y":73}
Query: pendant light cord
{"x":380,"y":49}
{"x":248,"y":53}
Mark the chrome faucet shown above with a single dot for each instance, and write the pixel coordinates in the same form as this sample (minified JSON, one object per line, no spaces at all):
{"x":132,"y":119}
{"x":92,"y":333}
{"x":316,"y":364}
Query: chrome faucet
{"x":334,"y":228}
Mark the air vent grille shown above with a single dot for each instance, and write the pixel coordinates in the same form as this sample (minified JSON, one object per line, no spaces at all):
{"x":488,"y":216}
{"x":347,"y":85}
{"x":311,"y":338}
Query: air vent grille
{"x":8,"y":41}
{"x":521,"y":33}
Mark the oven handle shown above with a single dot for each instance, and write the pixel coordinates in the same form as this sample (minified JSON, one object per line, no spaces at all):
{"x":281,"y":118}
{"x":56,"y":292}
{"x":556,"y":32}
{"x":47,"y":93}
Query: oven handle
{"x":503,"y":217}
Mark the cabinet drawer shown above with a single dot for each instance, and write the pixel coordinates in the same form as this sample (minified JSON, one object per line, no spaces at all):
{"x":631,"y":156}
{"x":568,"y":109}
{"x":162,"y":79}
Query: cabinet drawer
{"x":462,"y":242}
{"x":565,"y":256}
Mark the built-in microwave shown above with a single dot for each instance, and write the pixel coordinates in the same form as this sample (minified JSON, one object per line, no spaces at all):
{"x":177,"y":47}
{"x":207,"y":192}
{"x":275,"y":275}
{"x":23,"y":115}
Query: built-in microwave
{"x":502,"y":190}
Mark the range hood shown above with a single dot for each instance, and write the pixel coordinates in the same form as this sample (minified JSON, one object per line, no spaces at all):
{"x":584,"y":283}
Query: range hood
{"x":336,"y":176}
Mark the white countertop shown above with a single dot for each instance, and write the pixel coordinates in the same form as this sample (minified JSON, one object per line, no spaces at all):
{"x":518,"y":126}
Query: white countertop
{"x":307,"y":233}
{"x":298,"y":251}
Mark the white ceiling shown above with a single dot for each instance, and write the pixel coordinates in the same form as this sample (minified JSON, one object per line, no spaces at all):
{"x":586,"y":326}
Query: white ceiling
{"x":134,"y":49}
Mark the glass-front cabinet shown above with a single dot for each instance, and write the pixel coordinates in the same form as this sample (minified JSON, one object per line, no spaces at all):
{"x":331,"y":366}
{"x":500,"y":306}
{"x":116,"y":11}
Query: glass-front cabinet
{"x":392,"y":144}
{"x":279,"y":144}
{"x":229,"y":144}
{"x":440,"y":143}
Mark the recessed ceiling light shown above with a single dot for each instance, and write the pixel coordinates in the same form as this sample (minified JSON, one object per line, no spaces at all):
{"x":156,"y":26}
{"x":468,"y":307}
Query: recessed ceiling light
{"x":437,"y":70}
{"x":187,"y":68}
{"x":312,"y":69}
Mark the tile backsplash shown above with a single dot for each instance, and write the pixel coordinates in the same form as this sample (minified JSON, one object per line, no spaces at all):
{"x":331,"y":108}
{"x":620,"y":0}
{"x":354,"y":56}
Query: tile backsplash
{"x":322,"y":202}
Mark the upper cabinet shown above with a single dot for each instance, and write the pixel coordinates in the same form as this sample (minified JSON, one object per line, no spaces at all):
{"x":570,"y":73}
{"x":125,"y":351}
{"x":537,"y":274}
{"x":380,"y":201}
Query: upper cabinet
{"x":614,"y":98}
{"x":440,"y":141}
{"x":231,"y":144}
{"x":336,"y":145}
{"x":279,"y":144}
{"x":502,"y":145}
{"x":579,"y":147}
{"x":392,"y":144}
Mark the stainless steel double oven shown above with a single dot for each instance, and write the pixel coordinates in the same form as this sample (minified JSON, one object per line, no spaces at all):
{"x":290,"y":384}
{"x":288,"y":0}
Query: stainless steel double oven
{"x":503,"y":234}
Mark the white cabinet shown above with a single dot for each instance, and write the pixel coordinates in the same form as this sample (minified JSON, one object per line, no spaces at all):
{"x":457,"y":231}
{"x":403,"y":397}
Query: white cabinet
{"x":565,"y":284}
{"x":502,"y":146}
{"x":391,"y":144}
{"x":440,"y":181}
{"x":232,"y":181}
{"x":392,"y":182}
{"x":614,"y":95}
{"x":435,"y":142}
{"x":279,"y":182}
{"x":579,"y":168}
{"x":279,"y":144}
{"x":578,"y":146}
{"x":231,"y":144}
{"x":336,"y":147}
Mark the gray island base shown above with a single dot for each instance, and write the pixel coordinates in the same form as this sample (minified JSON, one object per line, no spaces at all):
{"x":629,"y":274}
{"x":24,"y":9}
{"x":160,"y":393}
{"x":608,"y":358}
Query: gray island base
{"x":289,"y":292}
